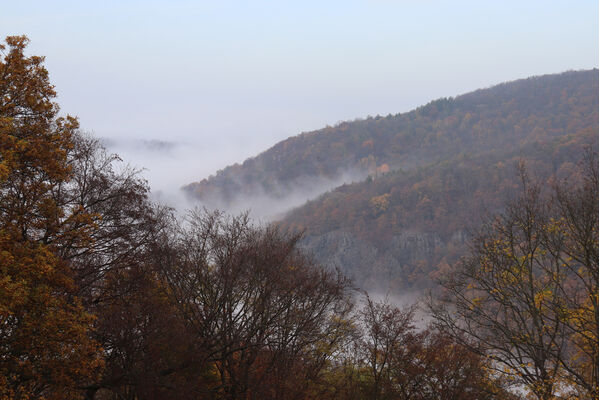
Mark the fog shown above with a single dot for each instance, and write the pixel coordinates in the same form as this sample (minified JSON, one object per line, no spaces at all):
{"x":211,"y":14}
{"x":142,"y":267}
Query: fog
{"x":184,"y":89}
{"x":282,"y":197}
{"x":169,"y":165}
{"x":222,"y":81}
{"x":408,"y":299}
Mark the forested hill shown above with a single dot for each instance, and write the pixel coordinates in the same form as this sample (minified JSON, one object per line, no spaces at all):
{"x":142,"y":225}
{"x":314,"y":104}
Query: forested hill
{"x":501,"y":118}
{"x":401,"y":230}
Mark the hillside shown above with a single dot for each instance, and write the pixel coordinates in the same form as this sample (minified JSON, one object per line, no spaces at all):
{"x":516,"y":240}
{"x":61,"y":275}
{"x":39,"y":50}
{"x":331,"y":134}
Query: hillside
{"x":504,"y":117}
{"x":401,"y":230}
{"x":402,"y":191}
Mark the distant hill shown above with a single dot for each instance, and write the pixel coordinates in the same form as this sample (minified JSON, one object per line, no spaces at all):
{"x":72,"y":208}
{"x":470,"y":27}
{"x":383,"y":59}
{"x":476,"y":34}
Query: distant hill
{"x":401,"y":230}
{"x":420,"y":178}
{"x":505,"y":116}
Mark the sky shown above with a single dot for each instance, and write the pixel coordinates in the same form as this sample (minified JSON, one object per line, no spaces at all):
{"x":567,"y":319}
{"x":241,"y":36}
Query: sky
{"x":220,"y":81}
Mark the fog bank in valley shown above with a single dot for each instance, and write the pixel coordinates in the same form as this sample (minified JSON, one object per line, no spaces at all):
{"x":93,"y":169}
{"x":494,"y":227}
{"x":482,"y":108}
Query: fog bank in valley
{"x":282,"y":197}
{"x":169,"y":165}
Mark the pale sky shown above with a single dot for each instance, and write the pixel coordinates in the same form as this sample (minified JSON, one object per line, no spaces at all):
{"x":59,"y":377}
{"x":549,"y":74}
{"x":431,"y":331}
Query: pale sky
{"x":228,"y":79}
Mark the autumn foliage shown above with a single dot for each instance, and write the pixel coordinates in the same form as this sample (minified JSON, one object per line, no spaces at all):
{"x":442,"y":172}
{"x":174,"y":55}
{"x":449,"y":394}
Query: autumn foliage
{"x":527,"y":292}
{"x":105,"y":295}
{"x":46,"y":349}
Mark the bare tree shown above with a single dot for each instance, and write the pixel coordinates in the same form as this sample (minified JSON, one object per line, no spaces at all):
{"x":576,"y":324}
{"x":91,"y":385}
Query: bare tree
{"x":573,"y":239}
{"x":502,"y":296}
{"x":255,"y":303}
{"x":387,"y":333}
{"x":436,"y":367}
{"x":113,"y":199}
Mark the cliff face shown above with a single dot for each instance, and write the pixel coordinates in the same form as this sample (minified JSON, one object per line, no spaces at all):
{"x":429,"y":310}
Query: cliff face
{"x":403,"y":263}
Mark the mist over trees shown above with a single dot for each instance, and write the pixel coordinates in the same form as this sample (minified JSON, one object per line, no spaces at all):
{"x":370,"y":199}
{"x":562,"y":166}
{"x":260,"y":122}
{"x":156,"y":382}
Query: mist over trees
{"x":500,"y":119}
{"x":106,"y":295}
{"x":410,"y":224}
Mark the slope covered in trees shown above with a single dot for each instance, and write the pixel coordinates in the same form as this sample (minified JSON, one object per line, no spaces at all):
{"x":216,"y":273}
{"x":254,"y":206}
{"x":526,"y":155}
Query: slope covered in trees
{"x":420,"y":179}
{"x":504,"y":117}
{"x":402,"y":229}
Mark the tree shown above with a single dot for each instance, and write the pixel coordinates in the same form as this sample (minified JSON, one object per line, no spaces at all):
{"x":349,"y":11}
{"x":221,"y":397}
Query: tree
{"x":45,"y":346}
{"x":528,"y":292}
{"x":573,"y":240}
{"x":399,"y":361}
{"x":265,"y":317}
{"x":149,"y":353}
{"x":120,"y":220}
{"x":387,"y":333}
{"x":501,"y":296}
{"x":436,"y":367}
